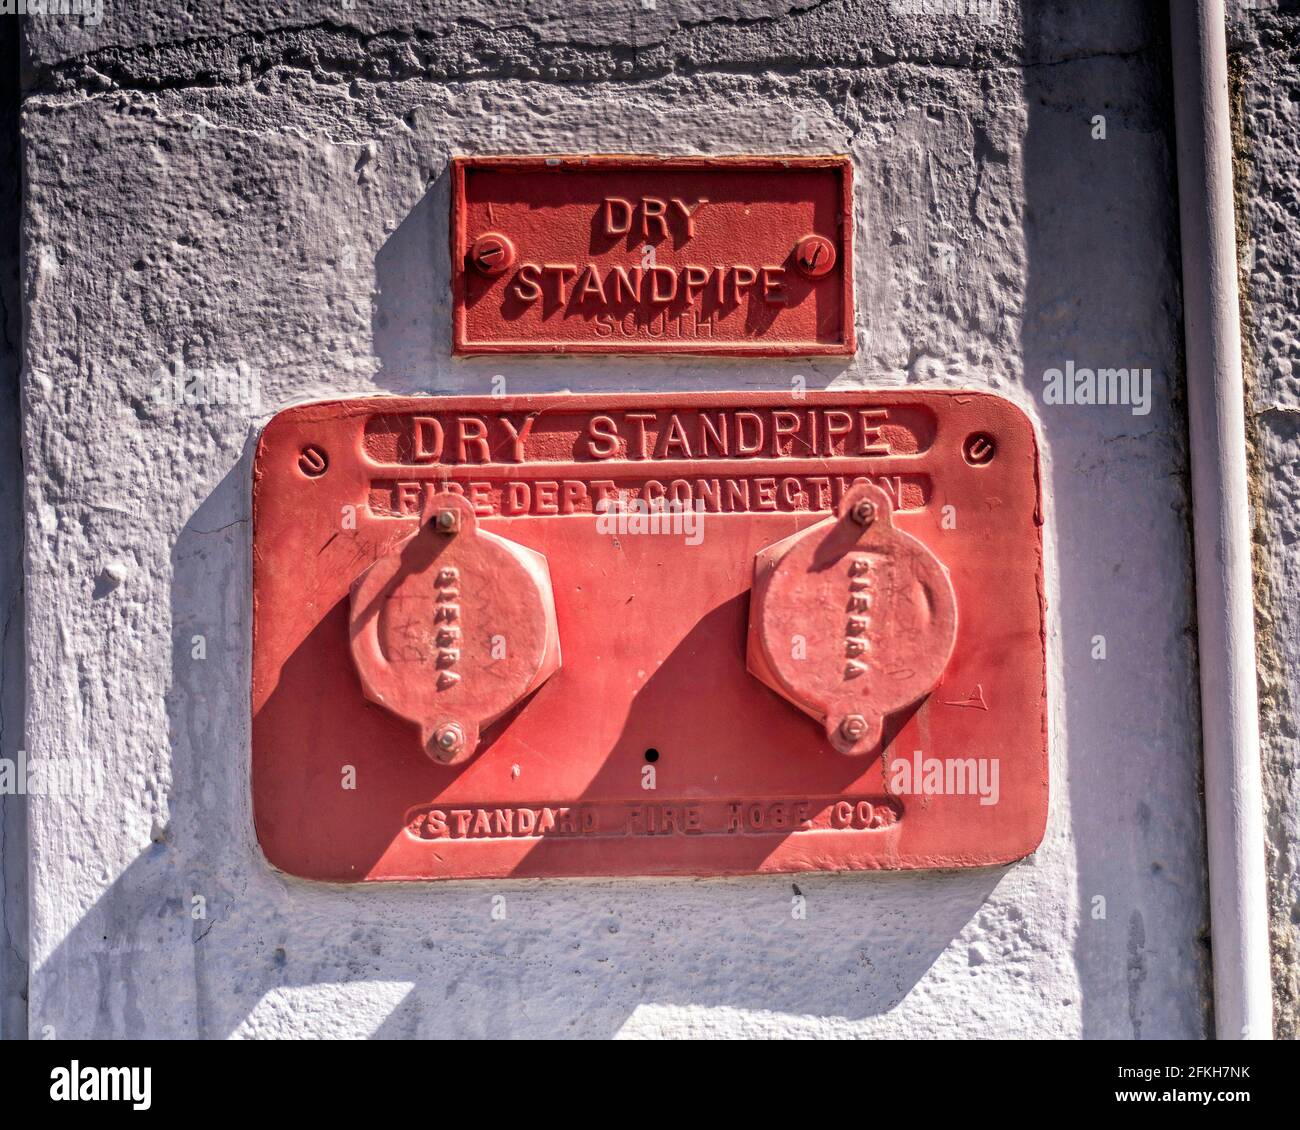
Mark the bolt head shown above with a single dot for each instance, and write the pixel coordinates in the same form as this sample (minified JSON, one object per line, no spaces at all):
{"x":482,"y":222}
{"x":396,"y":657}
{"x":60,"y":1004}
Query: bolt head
{"x":449,"y":738}
{"x":447,"y":521}
{"x":864,"y":512}
{"x":853,"y":727}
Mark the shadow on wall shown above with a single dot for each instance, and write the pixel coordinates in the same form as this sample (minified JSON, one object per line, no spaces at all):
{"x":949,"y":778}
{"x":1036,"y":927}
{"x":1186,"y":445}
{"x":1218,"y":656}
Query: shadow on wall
{"x":411,"y":322}
{"x":13,"y":656}
{"x":141,"y":943}
{"x":1102,"y":290}
{"x":570,"y":959}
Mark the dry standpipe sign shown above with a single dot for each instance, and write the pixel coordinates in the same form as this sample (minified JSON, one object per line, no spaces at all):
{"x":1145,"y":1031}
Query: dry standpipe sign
{"x":721,"y":255}
{"x":636,"y":635}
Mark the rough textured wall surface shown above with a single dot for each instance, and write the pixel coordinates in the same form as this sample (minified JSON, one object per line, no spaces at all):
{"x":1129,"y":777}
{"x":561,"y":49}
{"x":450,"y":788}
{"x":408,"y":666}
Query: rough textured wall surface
{"x":13,"y":806}
{"x":1264,"y":44}
{"x":268,"y":189}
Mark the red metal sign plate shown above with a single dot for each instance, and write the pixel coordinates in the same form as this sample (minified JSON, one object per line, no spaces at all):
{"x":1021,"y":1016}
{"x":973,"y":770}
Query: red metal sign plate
{"x":723,"y":255}
{"x":658,"y":724}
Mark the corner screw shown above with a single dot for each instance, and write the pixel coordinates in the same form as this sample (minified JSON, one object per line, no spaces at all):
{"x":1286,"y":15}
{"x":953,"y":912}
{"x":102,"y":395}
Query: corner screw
{"x":312,"y":461}
{"x":978,"y":449}
{"x":449,"y":738}
{"x":814,"y":255}
{"x":492,"y":254}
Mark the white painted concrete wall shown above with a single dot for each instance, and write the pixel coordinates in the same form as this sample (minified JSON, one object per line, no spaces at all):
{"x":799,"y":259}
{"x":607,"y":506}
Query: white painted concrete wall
{"x":268,"y":188}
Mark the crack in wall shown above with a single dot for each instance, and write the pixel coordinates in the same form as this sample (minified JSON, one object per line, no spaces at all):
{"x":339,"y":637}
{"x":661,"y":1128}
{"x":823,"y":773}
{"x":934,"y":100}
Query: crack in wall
{"x":470,"y":50}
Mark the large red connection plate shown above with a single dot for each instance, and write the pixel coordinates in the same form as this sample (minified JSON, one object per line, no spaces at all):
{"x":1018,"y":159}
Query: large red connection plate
{"x":461,"y":669}
{"x":721,"y":255}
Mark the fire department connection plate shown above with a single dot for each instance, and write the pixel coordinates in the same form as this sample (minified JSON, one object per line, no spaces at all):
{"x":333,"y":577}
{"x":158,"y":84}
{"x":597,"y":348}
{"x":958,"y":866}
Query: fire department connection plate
{"x":647,"y":635}
{"x":723,"y":255}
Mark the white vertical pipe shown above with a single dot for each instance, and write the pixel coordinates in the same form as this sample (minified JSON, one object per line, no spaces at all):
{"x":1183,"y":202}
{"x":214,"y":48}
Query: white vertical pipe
{"x":1234,"y":807}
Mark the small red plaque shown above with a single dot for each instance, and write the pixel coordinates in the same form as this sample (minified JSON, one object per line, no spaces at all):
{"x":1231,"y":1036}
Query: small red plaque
{"x":722,"y":255}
